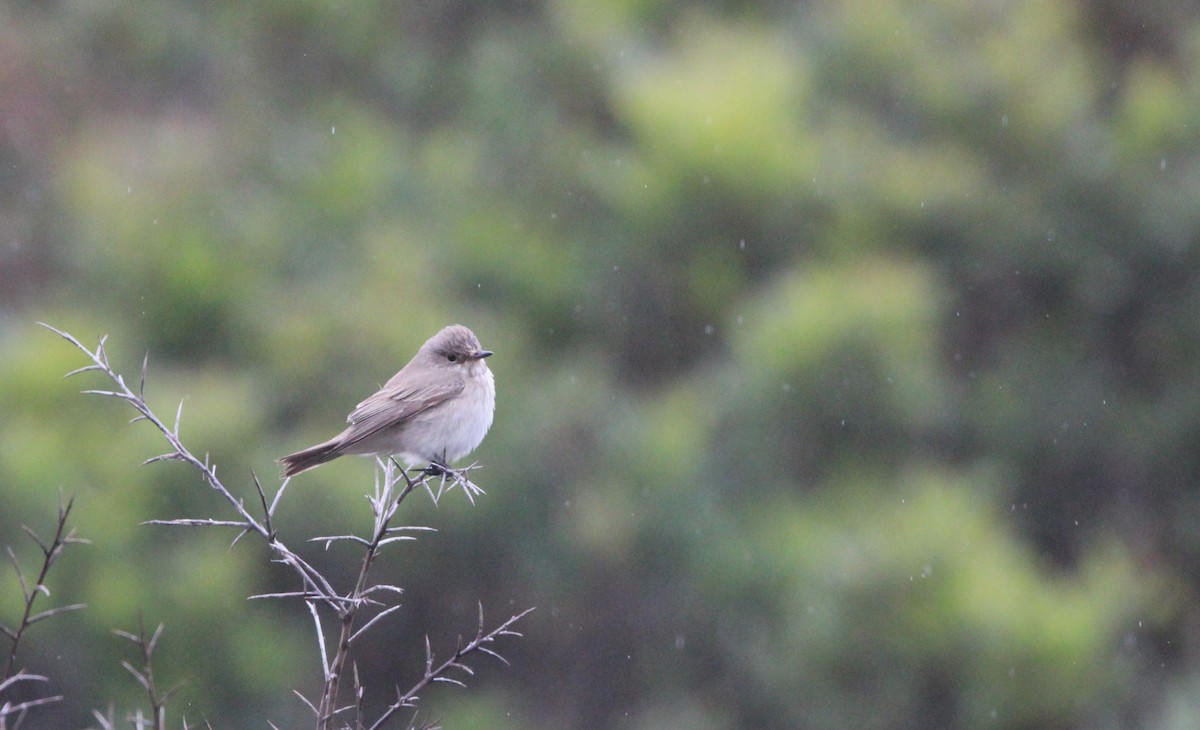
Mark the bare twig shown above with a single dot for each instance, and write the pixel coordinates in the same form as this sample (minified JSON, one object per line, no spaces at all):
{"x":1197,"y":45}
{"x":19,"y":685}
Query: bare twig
{"x":50,"y":554}
{"x":310,"y":578}
{"x":385,"y":501}
{"x":440,"y":672}
{"x":145,"y":675}
{"x":137,"y":401}
{"x":17,"y":710}
{"x":51,"y":551}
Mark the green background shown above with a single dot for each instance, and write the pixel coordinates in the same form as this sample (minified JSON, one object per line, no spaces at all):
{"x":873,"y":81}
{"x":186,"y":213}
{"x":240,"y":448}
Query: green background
{"x":846,"y":350}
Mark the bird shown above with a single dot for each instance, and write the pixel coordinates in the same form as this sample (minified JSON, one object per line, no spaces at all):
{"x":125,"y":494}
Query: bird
{"x":437,"y":409}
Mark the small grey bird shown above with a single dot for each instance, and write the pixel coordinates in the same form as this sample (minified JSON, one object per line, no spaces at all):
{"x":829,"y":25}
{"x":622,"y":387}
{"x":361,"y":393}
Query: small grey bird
{"x":437,"y":409}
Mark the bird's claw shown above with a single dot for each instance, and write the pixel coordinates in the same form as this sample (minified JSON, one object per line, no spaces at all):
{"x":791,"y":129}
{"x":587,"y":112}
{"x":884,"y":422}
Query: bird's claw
{"x":436,"y":470}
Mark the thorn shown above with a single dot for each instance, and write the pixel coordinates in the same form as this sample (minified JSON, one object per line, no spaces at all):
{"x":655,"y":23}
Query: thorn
{"x":240,"y":535}
{"x":154,"y":639}
{"x":126,"y":635}
{"x":160,"y":457}
{"x":486,"y":650}
{"x":84,"y":369}
{"x":29,"y":531}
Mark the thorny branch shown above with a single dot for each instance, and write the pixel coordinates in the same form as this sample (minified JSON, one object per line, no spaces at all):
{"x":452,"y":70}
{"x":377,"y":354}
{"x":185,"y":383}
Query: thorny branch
{"x":18,"y":710}
{"x":50,"y":553}
{"x":145,"y":675}
{"x":440,"y":672}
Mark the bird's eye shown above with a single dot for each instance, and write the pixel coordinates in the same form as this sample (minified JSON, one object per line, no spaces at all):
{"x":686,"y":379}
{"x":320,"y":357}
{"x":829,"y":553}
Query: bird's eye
{"x":452,"y":357}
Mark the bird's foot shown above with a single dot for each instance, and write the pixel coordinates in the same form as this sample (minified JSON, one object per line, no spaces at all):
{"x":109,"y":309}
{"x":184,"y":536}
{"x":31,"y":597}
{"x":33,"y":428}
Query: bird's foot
{"x":437,"y":469}
{"x":447,"y":478}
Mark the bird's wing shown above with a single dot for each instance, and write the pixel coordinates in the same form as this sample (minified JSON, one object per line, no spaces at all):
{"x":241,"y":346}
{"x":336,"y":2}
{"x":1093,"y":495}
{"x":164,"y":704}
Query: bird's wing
{"x":392,"y":406}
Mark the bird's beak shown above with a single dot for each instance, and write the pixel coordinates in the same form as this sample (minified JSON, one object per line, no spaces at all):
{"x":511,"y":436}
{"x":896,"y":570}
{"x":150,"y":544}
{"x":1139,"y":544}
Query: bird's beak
{"x":480,"y":354}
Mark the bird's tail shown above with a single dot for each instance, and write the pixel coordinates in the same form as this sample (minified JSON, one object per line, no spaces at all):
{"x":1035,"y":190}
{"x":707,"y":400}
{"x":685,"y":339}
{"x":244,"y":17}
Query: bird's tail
{"x":304,"y":460}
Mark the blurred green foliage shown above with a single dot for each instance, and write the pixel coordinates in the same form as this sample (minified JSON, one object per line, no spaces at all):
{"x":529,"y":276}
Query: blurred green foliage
{"x":845,"y":350}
